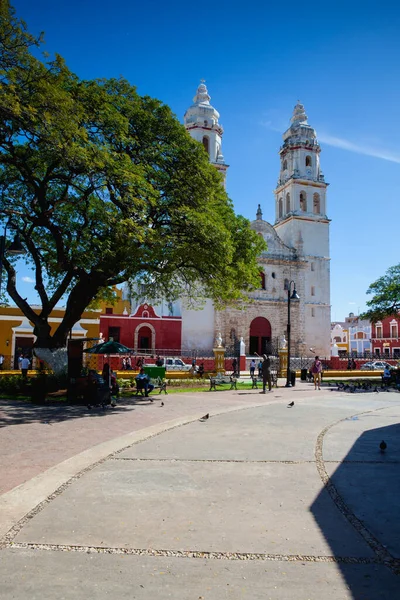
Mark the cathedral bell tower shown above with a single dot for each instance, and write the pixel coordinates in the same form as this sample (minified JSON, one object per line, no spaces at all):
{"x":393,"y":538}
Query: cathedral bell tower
{"x":201,"y":121}
{"x":302,"y":223}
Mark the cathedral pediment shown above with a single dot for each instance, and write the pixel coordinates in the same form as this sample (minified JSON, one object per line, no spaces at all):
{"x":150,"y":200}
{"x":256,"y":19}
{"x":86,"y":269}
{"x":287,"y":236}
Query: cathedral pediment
{"x":276,"y":247}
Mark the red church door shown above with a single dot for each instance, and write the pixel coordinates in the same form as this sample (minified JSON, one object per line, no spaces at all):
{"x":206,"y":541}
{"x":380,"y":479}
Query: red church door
{"x":260,"y":336}
{"x":144,"y":341}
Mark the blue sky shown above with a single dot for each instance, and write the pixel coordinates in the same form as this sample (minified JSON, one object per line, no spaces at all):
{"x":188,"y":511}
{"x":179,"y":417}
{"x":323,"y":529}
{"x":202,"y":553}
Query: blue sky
{"x":341,"y":59}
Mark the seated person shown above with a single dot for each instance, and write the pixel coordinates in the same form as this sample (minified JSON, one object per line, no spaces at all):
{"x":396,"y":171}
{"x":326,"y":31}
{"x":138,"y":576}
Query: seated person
{"x":159,"y":362}
{"x":200,"y":371}
{"x":143,"y":383}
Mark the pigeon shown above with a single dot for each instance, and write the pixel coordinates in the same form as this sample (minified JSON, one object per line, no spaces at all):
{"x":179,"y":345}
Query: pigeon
{"x":290,"y":404}
{"x":383,"y":446}
{"x":376,"y":390}
{"x":207,"y":416}
{"x":162,"y":403}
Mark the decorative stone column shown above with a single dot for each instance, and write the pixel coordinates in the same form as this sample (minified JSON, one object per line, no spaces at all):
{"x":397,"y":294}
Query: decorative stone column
{"x":282,"y":362}
{"x":242,"y":357}
{"x":219,"y":356}
{"x":219,"y":360}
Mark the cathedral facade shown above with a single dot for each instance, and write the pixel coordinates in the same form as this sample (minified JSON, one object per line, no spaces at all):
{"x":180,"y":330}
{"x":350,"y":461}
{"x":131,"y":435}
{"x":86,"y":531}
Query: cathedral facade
{"x":297,"y":256}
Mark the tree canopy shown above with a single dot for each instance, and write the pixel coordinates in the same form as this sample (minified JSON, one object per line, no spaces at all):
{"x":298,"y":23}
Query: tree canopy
{"x":386,"y":296}
{"x":104,"y":185}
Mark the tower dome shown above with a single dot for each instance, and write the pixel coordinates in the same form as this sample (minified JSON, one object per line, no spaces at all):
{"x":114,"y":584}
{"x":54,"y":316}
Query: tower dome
{"x":202,"y":122}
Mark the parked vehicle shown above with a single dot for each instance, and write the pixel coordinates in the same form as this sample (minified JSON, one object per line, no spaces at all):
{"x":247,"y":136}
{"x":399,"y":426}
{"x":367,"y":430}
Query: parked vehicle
{"x":375,"y":365}
{"x":176,"y":364}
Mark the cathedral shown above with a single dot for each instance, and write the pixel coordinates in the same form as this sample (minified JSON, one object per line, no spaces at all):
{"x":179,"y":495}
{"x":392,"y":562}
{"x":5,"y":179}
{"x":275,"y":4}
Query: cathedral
{"x":297,"y":256}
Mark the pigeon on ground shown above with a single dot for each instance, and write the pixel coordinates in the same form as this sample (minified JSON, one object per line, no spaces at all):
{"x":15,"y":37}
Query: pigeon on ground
{"x":162,"y":403}
{"x":376,"y":390}
{"x":207,"y":416}
{"x":383,"y":446}
{"x":290,"y":404}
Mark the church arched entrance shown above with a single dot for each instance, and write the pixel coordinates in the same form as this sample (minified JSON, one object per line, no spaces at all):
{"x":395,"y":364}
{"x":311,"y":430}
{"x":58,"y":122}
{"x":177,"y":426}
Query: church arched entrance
{"x":260,"y":336}
{"x":144,"y":338}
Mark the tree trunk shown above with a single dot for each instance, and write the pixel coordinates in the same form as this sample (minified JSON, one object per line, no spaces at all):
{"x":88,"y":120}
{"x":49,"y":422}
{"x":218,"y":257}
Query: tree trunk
{"x":55,"y":358}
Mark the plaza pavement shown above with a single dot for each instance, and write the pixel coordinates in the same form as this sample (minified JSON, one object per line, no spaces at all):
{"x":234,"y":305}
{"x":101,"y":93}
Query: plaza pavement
{"x":259,"y":501}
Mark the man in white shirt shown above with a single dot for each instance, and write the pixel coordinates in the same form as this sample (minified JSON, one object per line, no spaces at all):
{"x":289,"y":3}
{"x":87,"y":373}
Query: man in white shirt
{"x":25,"y":364}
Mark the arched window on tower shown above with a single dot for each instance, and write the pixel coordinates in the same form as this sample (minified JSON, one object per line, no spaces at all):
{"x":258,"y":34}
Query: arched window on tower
{"x":284,"y":166}
{"x":303,"y":201}
{"x":308,"y":161}
{"x":288,"y":203}
{"x":206,"y":144}
{"x":280,"y":208}
{"x":317,"y":204}
{"x":262,"y":277}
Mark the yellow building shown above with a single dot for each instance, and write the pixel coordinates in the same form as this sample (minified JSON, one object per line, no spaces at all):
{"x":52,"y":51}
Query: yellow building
{"x":16,"y":331}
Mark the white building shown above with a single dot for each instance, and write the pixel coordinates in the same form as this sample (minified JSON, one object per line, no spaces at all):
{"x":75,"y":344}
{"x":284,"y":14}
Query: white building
{"x":298,"y":249}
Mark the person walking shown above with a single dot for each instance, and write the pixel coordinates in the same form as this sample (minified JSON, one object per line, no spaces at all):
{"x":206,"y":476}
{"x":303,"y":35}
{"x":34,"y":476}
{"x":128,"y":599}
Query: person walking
{"x":316,"y":371}
{"x":259,"y":366}
{"x":252,"y":367}
{"x":234,"y":366}
{"x":266,"y":373}
{"x":25,"y":363}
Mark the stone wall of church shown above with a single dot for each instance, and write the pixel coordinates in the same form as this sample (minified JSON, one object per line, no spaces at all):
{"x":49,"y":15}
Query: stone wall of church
{"x":239,"y":321}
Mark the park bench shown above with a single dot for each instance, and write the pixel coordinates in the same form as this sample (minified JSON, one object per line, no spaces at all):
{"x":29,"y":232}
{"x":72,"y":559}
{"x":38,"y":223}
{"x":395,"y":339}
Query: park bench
{"x":157,"y":382}
{"x":255,"y":380}
{"x":222,"y":379}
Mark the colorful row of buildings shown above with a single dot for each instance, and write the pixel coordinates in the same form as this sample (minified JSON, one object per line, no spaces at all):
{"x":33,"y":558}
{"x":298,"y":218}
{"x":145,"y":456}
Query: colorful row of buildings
{"x":355,"y":336}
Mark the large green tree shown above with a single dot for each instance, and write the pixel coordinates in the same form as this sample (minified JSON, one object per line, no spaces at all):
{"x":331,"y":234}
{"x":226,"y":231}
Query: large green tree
{"x":386,"y":296}
{"x":103,"y":185}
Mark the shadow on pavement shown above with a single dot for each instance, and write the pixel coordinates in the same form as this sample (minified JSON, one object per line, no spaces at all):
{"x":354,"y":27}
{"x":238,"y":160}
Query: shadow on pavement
{"x":365,"y":488}
{"x":17,"y":412}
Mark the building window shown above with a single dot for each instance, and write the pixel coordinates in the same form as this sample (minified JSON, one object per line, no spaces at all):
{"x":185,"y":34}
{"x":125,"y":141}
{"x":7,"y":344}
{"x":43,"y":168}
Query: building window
{"x":205,"y":123}
{"x":377,"y":352}
{"x":284,"y":167}
{"x":286,"y":284}
{"x":312,"y":290}
{"x":316,"y":204}
{"x":273,"y":275}
{"x":386,"y":352}
{"x":396,"y":352}
{"x":206,"y":144}
{"x":393,"y":329}
{"x":313,"y":313}
{"x":378,"y":330}
{"x":114,"y":333}
{"x":308,"y":161}
{"x":303,"y":201}
{"x":337,"y":339}
{"x":109,"y":311}
{"x":288,"y":203}
{"x":262,"y":277}
{"x":312,"y":266}
{"x":280,"y":208}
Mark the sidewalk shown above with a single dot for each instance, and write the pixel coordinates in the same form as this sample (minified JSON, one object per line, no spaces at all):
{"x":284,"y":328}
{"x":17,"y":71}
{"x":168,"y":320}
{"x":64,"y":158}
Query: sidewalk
{"x":258,"y":501}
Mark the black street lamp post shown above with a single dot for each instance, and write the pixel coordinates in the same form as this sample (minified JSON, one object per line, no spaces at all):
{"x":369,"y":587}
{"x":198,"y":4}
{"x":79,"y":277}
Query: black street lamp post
{"x":294,"y":296}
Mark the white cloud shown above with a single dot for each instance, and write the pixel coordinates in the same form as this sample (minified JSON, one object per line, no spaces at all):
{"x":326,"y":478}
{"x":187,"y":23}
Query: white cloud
{"x":274,"y":122}
{"x":28,"y":279}
{"x":359,"y":148}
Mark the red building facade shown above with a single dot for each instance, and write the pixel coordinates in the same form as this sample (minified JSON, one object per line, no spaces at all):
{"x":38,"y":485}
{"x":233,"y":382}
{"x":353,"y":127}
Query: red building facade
{"x":385,"y":341}
{"x":144,"y":330}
